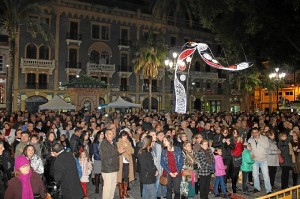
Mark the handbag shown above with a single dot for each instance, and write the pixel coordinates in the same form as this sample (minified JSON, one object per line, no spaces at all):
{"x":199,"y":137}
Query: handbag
{"x":280,"y":158}
{"x":163,"y":180}
{"x":186,"y":172}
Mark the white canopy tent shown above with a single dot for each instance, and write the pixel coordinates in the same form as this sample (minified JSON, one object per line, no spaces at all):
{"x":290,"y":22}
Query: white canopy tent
{"x":120,"y":103}
{"x":57,"y":103}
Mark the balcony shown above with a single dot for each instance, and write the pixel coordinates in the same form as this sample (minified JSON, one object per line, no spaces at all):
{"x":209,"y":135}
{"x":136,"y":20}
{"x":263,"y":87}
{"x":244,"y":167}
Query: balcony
{"x":124,"y":71}
{"x":205,"y":76}
{"x":94,"y":69}
{"x":74,"y":38}
{"x":124,"y":44}
{"x":29,"y":65}
{"x":73,"y":68}
{"x":154,"y":88}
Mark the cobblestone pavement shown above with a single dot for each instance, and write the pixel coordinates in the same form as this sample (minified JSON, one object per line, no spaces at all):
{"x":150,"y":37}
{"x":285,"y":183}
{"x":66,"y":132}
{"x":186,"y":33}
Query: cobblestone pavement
{"x":135,"y":191}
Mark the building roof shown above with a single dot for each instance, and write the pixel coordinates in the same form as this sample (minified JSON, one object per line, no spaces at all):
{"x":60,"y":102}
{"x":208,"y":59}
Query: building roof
{"x":85,"y":82}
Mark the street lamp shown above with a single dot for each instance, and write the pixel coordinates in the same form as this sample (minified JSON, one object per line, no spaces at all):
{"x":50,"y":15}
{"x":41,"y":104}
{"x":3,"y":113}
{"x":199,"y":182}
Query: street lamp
{"x":170,"y":66}
{"x":277,"y":77}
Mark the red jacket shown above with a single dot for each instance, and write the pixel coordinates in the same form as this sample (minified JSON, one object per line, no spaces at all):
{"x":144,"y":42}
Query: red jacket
{"x":238,"y":150}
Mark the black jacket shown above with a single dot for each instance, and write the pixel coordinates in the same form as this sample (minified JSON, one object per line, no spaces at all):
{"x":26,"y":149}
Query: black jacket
{"x":109,"y":157}
{"x":65,"y":171}
{"x":148,"y":169}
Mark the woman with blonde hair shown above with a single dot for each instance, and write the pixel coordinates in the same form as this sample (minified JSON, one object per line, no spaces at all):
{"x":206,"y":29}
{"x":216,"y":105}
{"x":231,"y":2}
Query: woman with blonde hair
{"x":126,"y":172}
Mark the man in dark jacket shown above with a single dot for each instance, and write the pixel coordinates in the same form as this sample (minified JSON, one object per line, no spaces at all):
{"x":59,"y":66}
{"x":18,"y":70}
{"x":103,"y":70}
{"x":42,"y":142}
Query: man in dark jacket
{"x":110,"y":164}
{"x":75,"y":140}
{"x":65,"y":172}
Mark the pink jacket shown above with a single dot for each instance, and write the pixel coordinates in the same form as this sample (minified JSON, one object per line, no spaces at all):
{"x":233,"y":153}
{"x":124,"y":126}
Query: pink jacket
{"x":219,"y":166}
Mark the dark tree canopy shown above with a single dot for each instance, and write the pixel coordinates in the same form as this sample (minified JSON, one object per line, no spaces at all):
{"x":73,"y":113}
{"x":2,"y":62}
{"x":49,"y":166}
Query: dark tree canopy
{"x":267,"y":30}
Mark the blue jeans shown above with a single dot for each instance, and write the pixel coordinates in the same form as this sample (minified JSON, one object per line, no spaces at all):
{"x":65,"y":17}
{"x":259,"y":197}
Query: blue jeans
{"x":149,"y":191}
{"x":219,"y":181}
{"x":161,"y":190}
{"x":265,"y":171}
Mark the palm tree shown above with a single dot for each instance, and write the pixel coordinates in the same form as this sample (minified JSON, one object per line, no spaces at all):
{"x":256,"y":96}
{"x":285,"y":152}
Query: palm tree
{"x":245,"y":82}
{"x":13,"y":14}
{"x":148,"y":57}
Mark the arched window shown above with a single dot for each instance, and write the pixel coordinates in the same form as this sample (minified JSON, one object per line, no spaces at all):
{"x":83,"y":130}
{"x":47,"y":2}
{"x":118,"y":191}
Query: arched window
{"x":31,"y":51}
{"x":104,"y":57}
{"x":94,"y":57}
{"x":44,"y":52}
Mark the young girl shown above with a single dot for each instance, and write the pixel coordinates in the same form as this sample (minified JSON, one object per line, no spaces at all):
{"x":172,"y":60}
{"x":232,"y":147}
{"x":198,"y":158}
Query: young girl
{"x":86,"y":166}
{"x":247,"y":165}
{"x":219,"y":173}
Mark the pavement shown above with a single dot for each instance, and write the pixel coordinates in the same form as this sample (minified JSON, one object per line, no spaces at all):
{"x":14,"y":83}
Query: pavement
{"x":135,"y":192}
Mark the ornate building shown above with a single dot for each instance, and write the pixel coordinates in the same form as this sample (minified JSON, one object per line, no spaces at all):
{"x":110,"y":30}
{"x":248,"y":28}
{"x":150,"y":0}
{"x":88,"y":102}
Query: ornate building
{"x":95,"y":40}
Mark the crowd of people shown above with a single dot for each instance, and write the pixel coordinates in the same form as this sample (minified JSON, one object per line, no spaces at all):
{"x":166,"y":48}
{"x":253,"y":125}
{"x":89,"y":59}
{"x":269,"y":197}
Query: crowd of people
{"x":172,"y":155}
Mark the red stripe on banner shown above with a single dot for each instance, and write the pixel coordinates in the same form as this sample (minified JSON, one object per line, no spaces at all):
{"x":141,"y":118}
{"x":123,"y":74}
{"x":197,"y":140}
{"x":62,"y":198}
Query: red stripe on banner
{"x":186,"y":53}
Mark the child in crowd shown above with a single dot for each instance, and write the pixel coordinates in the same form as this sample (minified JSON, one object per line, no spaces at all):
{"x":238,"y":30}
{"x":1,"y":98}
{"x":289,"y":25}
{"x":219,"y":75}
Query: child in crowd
{"x":247,"y":166}
{"x":35,"y":141}
{"x":86,"y":166}
{"x":219,"y":173}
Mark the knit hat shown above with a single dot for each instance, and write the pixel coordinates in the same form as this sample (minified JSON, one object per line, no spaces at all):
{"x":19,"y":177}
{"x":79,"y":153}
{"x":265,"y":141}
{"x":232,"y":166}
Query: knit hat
{"x":20,"y":161}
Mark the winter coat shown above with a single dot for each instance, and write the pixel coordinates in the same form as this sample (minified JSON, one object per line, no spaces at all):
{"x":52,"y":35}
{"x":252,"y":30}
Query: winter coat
{"x":156,"y":153}
{"x":65,"y":171}
{"x":148,"y":169}
{"x":247,"y":161}
{"x":284,"y":147}
{"x":11,"y":137}
{"x":127,"y":155}
{"x":36,"y":164}
{"x":86,"y":167}
{"x":226,"y":149}
{"x":109,"y":156}
{"x":273,"y":154}
{"x":219,"y":166}
{"x":260,"y":148}
{"x":14,"y":189}
{"x":95,"y":149}
{"x":206,"y":167}
{"x":178,"y":159}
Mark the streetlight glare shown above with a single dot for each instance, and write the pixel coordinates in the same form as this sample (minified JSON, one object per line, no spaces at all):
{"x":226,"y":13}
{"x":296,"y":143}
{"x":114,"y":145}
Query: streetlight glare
{"x":188,"y":59}
{"x":277,"y":77}
{"x":167,"y":62}
{"x":175,"y":55}
{"x":276,"y":69}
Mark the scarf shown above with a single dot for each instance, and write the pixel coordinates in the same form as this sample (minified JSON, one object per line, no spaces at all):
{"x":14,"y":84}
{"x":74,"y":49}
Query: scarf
{"x":7,"y":132}
{"x":26,"y":186}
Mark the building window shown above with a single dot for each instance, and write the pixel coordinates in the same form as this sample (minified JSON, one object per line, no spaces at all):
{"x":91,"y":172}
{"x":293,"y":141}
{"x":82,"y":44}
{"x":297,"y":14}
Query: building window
{"x":100,"y":32}
{"x":197,"y":66}
{"x":266,"y":94}
{"x":31,"y":51}
{"x":74,"y":30}
{"x":42,"y":81}
{"x":44,"y":52}
{"x":1,"y":63}
{"x":73,"y":57}
{"x":104,"y":57}
{"x":207,"y":68}
{"x":104,"y":32}
{"x":94,"y":57}
{"x":154,"y":86}
{"x":95,"y":32}
{"x":72,"y":78}
{"x":31,"y":81}
{"x":173,"y":41}
{"x":104,"y":79}
{"x":124,"y":62}
{"x":289,"y":93}
{"x":124,"y":36}
{"x":124,"y":86}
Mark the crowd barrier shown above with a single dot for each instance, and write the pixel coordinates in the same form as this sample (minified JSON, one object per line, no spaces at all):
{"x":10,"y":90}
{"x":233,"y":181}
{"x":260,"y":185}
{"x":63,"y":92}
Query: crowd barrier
{"x":289,"y":193}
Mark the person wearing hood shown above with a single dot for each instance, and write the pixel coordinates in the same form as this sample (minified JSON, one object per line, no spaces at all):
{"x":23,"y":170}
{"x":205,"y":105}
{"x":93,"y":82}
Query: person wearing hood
{"x":26,"y":184}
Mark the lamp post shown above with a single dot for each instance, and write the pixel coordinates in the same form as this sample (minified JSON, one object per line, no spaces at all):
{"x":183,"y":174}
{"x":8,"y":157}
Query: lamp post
{"x":170,"y":66}
{"x":277,"y":77}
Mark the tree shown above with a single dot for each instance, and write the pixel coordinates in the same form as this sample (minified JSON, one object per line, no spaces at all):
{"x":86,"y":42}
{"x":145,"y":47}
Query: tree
{"x":149,"y":55}
{"x":267,"y":32}
{"x":13,"y":14}
{"x":245,"y":82}
{"x":176,"y":9}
